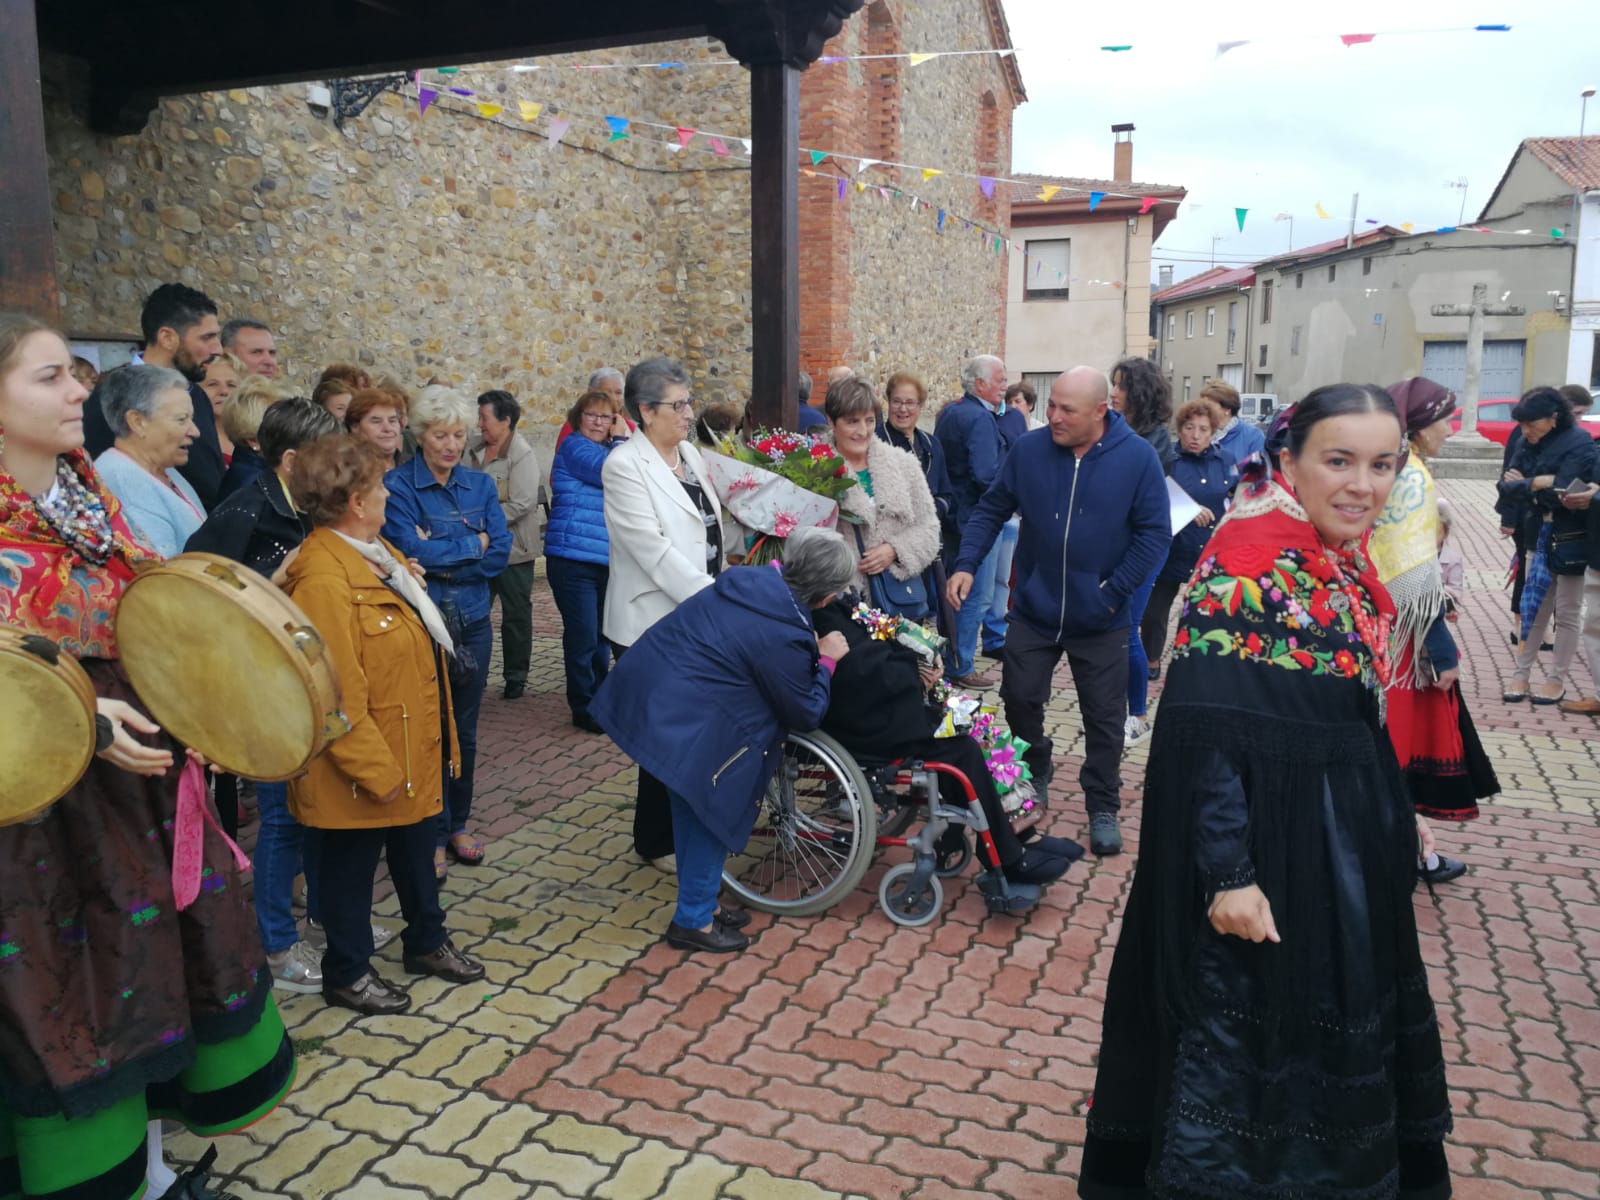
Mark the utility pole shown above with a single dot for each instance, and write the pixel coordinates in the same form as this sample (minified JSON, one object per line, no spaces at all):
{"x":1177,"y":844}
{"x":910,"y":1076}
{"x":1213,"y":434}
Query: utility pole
{"x":1467,"y":453}
{"x":1215,"y":238}
{"x":1350,"y":238}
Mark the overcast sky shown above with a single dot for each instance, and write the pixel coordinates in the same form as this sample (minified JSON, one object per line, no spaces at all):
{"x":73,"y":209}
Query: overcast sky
{"x":1294,"y":119}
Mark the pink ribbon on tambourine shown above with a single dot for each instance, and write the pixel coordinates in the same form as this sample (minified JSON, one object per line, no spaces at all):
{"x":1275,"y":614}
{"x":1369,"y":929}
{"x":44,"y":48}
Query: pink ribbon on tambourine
{"x":188,"y":835}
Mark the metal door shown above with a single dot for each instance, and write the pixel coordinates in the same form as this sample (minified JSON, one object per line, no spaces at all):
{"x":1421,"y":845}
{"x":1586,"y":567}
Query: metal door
{"x":1446,"y":363}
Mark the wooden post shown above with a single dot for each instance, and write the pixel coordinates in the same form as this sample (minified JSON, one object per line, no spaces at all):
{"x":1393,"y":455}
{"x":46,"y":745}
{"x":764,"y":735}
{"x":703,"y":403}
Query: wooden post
{"x":27,"y":242}
{"x":775,"y":243}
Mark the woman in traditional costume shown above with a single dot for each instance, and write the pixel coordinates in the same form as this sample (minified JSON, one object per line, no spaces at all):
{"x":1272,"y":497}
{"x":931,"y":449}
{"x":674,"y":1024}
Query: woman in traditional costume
{"x":131,"y":988}
{"x":1434,"y":738}
{"x":1268,"y":1031}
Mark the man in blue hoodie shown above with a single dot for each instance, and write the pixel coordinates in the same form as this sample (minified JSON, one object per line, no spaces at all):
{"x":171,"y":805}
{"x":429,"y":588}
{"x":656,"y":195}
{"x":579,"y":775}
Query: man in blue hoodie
{"x":976,"y":432}
{"x":1095,"y":525}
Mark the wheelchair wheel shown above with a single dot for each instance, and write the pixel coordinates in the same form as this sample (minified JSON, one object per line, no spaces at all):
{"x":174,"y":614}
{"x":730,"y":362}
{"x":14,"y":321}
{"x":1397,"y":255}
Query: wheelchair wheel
{"x":951,"y":863}
{"x":814,"y":835}
{"x":906,"y":904}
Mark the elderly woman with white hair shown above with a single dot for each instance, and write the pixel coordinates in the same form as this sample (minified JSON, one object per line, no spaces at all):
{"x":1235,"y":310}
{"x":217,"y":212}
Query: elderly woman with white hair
{"x":151,"y":414}
{"x":446,"y":516}
{"x":704,"y":700}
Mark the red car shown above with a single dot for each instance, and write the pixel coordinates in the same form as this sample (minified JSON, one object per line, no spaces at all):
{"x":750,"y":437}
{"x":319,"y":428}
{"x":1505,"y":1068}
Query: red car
{"x":1494,"y":419}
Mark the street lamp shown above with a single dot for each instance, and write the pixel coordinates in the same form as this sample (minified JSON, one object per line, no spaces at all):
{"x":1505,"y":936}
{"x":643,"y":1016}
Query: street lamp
{"x":1577,"y":191}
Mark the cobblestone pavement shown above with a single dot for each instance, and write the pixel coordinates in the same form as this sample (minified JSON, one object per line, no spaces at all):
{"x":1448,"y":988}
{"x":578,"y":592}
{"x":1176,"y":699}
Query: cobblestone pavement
{"x":843,"y":1056}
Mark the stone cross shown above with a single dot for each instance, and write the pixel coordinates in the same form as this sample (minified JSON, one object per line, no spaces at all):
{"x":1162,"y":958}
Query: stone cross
{"x":1475,"y":313}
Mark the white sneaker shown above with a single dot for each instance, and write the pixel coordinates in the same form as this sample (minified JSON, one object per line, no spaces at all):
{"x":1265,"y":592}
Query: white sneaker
{"x":382,"y":935}
{"x":297,"y":969}
{"x":1135,"y":730}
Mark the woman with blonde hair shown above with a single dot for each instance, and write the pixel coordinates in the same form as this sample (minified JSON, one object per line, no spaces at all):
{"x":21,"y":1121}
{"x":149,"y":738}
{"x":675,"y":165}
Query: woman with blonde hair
{"x":240,"y":421}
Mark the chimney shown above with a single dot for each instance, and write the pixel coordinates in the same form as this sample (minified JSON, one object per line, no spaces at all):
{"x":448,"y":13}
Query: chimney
{"x":1122,"y":154}
{"x":1165,"y":275}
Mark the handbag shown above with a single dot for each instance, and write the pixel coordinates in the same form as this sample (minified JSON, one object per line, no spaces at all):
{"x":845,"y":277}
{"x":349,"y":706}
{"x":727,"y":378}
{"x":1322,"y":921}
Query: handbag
{"x":897,"y":597}
{"x":1569,"y":553}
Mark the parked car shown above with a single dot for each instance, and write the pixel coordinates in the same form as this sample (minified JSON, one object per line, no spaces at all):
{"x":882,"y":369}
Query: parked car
{"x":1494,"y":419}
{"x":1258,"y":407}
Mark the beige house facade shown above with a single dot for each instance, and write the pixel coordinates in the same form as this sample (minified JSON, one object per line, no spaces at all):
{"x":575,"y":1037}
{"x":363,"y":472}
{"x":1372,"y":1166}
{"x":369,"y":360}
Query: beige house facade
{"x":1079,"y":290}
{"x":1203,"y":330}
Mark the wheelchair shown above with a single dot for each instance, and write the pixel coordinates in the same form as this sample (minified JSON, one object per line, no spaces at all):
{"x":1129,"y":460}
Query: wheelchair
{"x":825,"y":812}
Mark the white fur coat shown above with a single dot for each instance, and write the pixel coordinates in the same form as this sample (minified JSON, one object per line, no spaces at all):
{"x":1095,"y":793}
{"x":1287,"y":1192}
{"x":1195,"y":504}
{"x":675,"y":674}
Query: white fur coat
{"x":900,"y":511}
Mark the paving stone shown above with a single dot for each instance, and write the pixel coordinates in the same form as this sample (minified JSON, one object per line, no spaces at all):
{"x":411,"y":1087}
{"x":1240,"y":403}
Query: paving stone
{"x":457,"y":1123}
{"x":500,"y":1134}
{"x":592,"y":1141}
{"x":339,"y":1167}
{"x":440,"y":1174}
{"x":571,"y":1173}
{"x":642,"y":1174}
{"x":700,"y":1178}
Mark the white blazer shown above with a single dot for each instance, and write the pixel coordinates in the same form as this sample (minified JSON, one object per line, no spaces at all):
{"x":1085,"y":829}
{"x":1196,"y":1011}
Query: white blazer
{"x":658,"y":537}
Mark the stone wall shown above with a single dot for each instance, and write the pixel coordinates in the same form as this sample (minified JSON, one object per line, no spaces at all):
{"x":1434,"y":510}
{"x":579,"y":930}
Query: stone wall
{"x":459,"y":245}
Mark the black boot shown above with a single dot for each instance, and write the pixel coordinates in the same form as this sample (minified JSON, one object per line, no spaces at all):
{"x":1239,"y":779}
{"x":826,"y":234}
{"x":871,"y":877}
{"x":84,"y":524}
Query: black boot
{"x":194,"y":1184}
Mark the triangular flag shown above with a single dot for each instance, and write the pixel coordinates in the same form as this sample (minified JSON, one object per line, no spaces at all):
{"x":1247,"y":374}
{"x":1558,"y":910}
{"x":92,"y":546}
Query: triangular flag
{"x":1239,"y":215}
{"x":860,"y":187}
{"x":1557,"y":233}
{"x":619,"y":128}
{"x":1037,"y":267}
{"x":673,"y":147}
{"x":808,"y":172}
{"x":685,"y":136}
{"x":1406,"y":225}
{"x":929,"y":172}
{"x":1116,"y":49}
{"x":425,"y":97}
{"x":918,"y":59}
{"x":1370,"y":221}
{"x":1224,"y":47}
{"x":668,"y":66}
{"x":841,"y":187}
{"x":1048,"y":191}
{"x":1146,"y":203}
{"x":884,"y":192}
{"x":449,"y":70}
{"x":529,"y":110}
{"x":865,"y":163}
{"x":1491,"y":29}
{"x":745,"y":142}
{"x":913,"y":204}
{"x":1094,"y":200}
{"x":558,"y":127}
{"x":463,"y":91}
{"x":718,"y":148}
{"x":1445,"y":229}
{"x":1356,"y":39}
{"x":941,"y":220}
{"x":986,"y":186}
{"x":817,"y":156}
{"x":489,"y":110}
{"x":1322,"y":212}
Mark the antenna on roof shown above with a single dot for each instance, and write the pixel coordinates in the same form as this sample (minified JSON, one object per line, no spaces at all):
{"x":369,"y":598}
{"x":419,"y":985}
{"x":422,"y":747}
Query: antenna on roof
{"x":1460,"y":184}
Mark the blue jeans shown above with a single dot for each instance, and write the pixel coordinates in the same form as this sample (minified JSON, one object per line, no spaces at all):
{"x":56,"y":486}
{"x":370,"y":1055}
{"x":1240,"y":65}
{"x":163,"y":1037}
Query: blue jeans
{"x":277,"y":862}
{"x":974,"y":611}
{"x":1138,"y":664}
{"x":700,"y":860}
{"x":465,"y":703}
{"x":579,"y":590}
{"x":994,"y":624}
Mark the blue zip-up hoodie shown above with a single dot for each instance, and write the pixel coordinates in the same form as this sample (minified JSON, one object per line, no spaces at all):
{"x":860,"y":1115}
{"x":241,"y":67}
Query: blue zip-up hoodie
{"x":1094,"y":528}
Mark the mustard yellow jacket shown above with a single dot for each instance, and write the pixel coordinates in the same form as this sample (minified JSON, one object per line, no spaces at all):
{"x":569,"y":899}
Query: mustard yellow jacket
{"x":396,"y":696}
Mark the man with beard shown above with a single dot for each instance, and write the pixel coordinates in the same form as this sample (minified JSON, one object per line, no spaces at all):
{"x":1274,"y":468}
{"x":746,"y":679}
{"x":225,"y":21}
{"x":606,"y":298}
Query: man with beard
{"x":180,"y":330}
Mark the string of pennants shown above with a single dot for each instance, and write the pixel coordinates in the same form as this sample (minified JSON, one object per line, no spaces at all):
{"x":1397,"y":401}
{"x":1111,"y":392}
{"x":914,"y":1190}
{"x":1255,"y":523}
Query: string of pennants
{"x":917,"y":58}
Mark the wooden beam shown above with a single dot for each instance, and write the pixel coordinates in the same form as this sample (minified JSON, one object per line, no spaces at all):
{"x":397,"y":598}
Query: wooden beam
{"x":775,"y":243}
{"x":27,"y":242}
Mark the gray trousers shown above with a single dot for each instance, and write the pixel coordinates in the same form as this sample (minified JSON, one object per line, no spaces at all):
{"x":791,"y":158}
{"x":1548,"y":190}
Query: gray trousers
{"x":1099,"y":664}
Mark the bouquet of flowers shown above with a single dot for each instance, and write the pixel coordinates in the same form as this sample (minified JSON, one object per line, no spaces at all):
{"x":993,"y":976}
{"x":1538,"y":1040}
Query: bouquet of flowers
{"x":885,"y":627}
{"x":1002,"y":749}
{"x":777,"y":483}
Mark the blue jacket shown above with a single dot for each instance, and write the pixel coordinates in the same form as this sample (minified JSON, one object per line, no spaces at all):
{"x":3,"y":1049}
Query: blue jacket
{"x":704,"y":699}
{"x":1209,"y":478}
{"x":577,"y":528}
{"x":1094,"y":528}
{"x":1242,"y":440}
{"x":975,"y":441}
{"x":931,"y":455}
{"x":810,"y":419}
{"x":247,"y":464}
{"x":452,"y":515}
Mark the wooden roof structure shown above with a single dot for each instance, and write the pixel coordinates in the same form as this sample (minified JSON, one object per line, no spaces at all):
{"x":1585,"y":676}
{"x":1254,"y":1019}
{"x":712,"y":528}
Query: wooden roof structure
{"x":136,"y":51}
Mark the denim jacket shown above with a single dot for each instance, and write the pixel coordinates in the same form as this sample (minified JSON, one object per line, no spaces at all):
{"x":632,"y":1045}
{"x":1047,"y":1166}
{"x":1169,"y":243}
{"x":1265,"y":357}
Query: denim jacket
{"x":450,"y":516}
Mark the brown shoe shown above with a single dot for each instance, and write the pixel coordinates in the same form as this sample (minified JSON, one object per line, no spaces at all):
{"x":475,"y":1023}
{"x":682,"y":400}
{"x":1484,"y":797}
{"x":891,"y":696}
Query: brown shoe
{"x":1587,"y":707}
{"x":446,"y":963}
{"x":1553,"y":692}
{"x":371,"y":995}
{"x":973,"y":682}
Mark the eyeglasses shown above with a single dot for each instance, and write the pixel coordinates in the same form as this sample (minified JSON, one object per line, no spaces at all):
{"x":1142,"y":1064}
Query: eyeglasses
{"x":678,"y":406}
{"x":911,"y":403}
{"x":598,"y":417}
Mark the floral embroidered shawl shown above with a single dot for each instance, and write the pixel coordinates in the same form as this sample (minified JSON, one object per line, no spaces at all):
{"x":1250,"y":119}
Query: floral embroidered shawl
{"x":47,"y":587}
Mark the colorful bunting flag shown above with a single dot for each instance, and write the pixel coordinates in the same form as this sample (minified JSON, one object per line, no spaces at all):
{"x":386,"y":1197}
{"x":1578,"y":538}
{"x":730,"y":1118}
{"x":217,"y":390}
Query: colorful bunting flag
{"x":1094,"y":200}
{"x":928,"y":173}
{"x":841,"y":187}
{"x":918,"y":59}
{"x":619,"y":128}
{"x":487,"y":111}
{"x":1239,"y":216}
{"x":1491,"y":29}
{"x":1558,"y":233}
{"x":449,"y":70}
{"x":986,"y":186}
{"x":529,"y":110}
{"x":685,"y":136}
{"x":1406,"y":226}
{"x":425,"y":97}
{"x":941,"y":220}
{"x":1048,"y":192}
{"x":817,"y":156}
{"x":558,"y":129}
{"x":1146,"y":203}
{"x":1224,"y":47}
{"x":1356,"y":39}
{"x":1115,"y":49}
{"x":463,"y":91}
{"x":884,"y":192}
{"x":745,"y":142}
{"x":860,"y":187}
{"x":1322,"y":212}
{"x":718,"y":147}
{"x":865,"y":163}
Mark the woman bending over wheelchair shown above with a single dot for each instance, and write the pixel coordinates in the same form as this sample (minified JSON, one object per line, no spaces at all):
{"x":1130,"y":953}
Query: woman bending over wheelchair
{"x":879,"y":708}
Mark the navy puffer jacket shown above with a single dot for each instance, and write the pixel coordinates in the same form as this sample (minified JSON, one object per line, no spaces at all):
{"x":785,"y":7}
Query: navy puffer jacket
{"x":577,"y":528}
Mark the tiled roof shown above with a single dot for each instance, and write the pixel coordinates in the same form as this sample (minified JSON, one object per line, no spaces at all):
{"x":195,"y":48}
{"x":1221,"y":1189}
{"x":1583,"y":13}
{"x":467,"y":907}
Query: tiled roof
{"x":1206,"y":281}
{"x":1116,"y":187}
{"x":1382,"y":233}
{"x":1575,"y":161}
